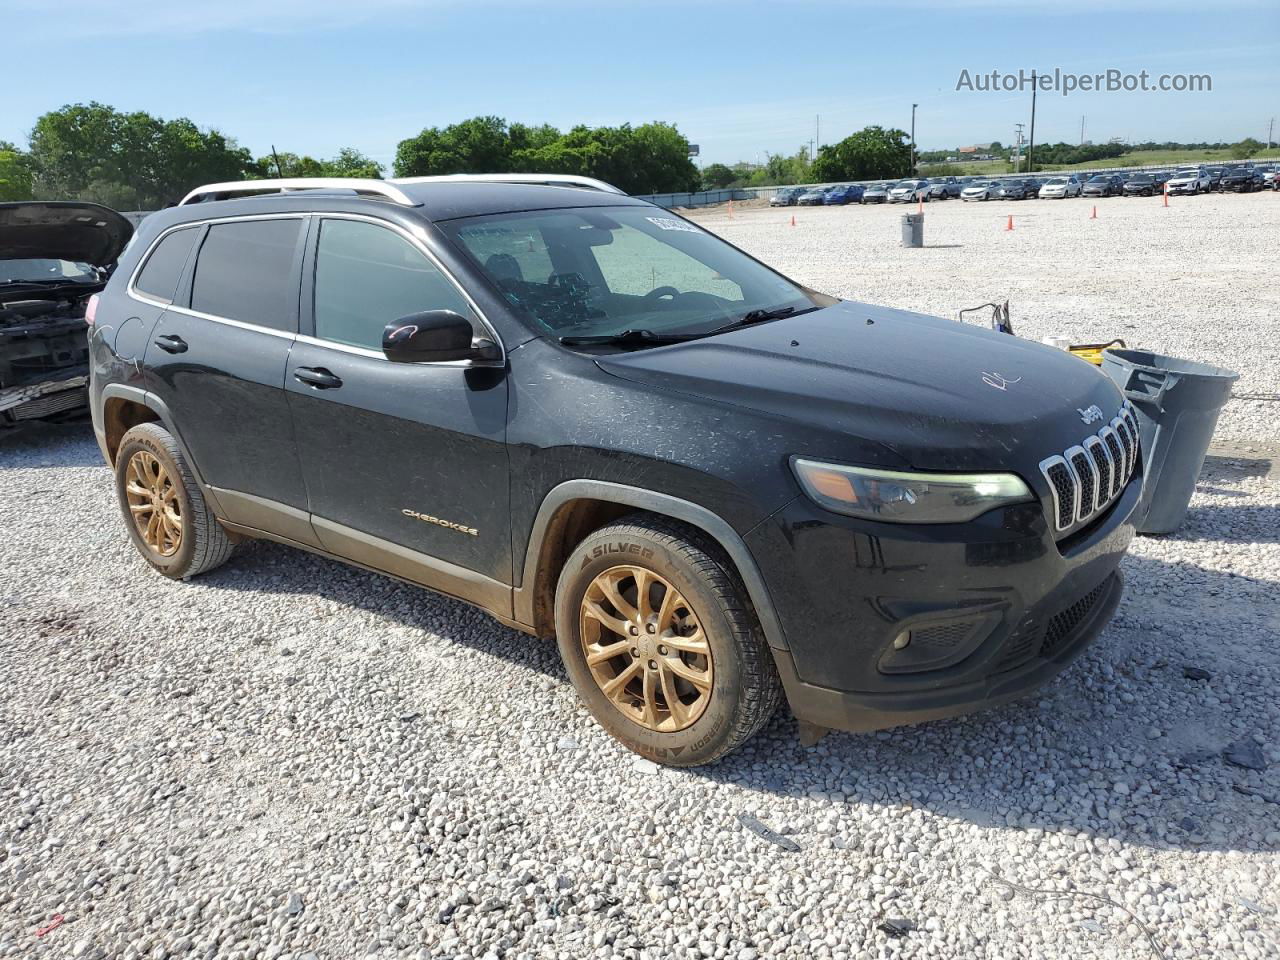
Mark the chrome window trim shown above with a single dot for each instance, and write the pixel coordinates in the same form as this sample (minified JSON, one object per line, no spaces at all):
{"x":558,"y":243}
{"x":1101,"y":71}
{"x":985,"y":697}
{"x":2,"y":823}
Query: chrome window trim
{"x":417,"y":243}
{"x":1100,"y":496}
{"x":136,"y":294}
{"x":132,"y":291}
{"x":1082,"y":513}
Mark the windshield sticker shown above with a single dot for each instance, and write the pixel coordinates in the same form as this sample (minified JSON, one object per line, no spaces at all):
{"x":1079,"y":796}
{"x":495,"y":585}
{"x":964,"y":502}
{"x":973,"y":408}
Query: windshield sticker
{"x":671,"y":223}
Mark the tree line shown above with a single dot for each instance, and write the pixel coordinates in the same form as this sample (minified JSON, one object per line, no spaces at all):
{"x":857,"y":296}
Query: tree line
{"x":136,"y":161}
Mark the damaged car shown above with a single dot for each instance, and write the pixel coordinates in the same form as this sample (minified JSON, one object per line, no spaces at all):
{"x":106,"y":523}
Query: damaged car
{"x":54,"y":256}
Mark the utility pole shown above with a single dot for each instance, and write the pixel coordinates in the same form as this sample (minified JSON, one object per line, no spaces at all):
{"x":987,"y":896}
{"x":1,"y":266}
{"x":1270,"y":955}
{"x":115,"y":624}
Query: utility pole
{"x":1031,"y":147}
{"x":1017,"y":146}
{"x":1270,"y":130}
{"x":1082,"y":129}
{"x":912,"y":170}
{"x":817,"y":131}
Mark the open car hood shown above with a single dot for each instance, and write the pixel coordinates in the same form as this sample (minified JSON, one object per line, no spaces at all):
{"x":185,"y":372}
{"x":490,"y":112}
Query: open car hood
{"x":62,"y":230}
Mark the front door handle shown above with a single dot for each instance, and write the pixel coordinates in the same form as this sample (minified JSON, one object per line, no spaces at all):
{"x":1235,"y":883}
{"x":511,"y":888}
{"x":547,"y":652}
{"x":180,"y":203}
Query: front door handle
{"x":170,"y":343}
{"x":318,"y":377}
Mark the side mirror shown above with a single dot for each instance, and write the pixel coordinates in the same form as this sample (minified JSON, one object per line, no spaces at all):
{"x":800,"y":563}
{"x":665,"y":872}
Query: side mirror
{"x":434,"y":336}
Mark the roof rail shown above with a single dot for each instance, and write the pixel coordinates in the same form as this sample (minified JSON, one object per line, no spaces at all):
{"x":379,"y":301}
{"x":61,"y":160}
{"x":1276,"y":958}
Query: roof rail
{"x":542,"y":179}
{"x":380,"y":188}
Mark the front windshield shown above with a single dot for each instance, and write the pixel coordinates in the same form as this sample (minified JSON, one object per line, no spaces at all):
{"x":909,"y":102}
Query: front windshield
{"x":598,"y":272}
{"x":59,"y":271}
{"x":1056,"y":182}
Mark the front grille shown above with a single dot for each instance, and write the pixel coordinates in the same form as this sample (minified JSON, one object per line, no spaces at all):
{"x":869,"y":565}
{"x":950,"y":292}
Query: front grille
{"x":1062,"y":626}
{"x":1085,"y":479}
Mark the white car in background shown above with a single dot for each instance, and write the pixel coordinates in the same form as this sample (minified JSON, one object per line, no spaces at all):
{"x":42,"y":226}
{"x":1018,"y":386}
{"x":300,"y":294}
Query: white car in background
{"x":909,"y":191}
{"x":978,"y":191}
{"x":1190,"y":180}
{"x":1058,"y":188}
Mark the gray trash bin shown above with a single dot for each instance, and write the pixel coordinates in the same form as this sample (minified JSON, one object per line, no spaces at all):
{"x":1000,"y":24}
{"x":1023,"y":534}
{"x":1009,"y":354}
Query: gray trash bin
{"x":913,"y":230}
{"x":1178,"y":402}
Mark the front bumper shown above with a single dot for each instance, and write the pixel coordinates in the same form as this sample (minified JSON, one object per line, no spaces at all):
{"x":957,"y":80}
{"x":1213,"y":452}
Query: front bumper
{"x":1015,"y":605}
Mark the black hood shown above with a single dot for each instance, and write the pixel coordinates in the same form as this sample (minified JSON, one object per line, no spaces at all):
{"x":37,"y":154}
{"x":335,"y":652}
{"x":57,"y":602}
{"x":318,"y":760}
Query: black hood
{"x":942,"y":395}
{"x":62,"y":230}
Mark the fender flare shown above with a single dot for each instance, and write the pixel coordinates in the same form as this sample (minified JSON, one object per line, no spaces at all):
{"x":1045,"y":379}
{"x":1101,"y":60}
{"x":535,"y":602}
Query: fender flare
{"x":691,"y":513}
{"x":157,"y":406}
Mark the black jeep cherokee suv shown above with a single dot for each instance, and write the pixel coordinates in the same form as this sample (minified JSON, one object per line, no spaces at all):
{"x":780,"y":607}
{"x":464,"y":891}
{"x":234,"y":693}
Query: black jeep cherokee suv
{"x":594,"y":419}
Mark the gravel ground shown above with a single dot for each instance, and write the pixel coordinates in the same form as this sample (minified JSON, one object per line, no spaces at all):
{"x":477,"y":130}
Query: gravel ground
{"x":291,"y":758}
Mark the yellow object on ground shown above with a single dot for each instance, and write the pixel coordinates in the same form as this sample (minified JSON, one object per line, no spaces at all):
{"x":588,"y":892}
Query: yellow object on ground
{"x":1093,"y":351}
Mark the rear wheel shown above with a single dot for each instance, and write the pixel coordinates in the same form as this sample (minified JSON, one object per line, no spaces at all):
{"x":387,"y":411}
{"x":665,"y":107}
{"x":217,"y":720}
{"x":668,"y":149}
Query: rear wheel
{"x":164,"y":511}
{"x":661,"y":642}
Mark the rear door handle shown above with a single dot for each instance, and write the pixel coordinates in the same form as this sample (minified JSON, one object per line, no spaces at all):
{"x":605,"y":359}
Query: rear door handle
{"x":318,"y":377}
{"x":171,"y":343}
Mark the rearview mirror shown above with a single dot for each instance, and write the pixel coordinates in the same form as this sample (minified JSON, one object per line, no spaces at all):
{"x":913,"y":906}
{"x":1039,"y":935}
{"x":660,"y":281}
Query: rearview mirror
{"x":432,"y":337}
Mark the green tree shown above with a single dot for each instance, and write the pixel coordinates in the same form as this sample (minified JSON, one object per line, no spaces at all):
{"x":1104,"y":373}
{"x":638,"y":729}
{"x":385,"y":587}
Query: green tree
{"x":15,"y":174}
{"x":1245,"y":148}
{"x":717,"y":175}
{"x":653,"y":157}
{"x":348,"y":163}
{"x":872,"y":153}
{"x":127,"y":160}
{"x":478,"y":145}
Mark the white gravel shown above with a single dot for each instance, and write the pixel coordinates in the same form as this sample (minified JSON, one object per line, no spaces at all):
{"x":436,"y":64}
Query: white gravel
{"x":291,"y":758}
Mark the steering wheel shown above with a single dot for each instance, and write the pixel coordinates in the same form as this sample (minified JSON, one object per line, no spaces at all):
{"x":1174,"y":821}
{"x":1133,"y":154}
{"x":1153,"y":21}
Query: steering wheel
{"x":658,"y":293}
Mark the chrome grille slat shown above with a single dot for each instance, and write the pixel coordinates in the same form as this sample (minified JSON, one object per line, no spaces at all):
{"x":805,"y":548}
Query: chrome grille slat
{"x":1086,"y":478}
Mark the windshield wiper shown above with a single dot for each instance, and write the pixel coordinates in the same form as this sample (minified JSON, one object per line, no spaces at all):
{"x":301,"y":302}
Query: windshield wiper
{"x":759,"y":316}
{"x":630,"y":338}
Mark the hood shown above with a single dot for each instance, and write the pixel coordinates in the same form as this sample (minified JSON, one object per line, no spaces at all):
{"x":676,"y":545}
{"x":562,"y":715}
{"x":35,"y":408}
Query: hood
{"x":62,"y":230}
{"x":940,"y":394}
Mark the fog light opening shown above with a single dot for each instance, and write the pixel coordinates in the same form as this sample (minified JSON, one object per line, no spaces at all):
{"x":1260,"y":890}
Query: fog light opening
{"x":901,"y":640}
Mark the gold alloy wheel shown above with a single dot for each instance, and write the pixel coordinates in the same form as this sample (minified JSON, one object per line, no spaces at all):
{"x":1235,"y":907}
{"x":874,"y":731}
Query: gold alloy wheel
{"x":645,"y":648}
{"x":154,"y":503}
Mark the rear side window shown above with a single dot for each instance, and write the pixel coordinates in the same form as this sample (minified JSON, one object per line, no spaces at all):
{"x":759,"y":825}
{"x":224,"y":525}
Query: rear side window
{"x":367,"y":277}
{"x":245,"y":272}
{"x":160,"y":275}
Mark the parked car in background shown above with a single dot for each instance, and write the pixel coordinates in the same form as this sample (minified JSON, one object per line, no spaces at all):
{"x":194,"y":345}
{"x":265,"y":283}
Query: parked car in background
{"x":1059,"y":188}
{"x":843,"y":193}
{"x":944,"y":188}
{"x":1189,"y":180}
{"x":785,"y":197}
{"x":979,"y":190}
{"x":1016,"y":188}
{"x":812,"y":197}
{"x":1161,"y":177}
{"x":1268,"y":171}
{"x":1103,"y":185}
{"x":876,"y":193}
{"x":54,"y":256}
{"x":1215,"y":173}
{"x":1240,"y":180}
{"x":909,"y":191}
{"x":1140,"y":185}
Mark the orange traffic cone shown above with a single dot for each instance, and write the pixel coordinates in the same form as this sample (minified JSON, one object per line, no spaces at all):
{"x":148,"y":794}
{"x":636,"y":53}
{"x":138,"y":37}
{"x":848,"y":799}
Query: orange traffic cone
{"x":1166,"y":194}
{"x":793,"y":219}
{"x":920,"y":205}
{"x":1009,"y":225}
{"x":1094,"y":215}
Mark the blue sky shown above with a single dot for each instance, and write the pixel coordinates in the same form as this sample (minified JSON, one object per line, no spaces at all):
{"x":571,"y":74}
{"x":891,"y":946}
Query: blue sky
{"x":739,"y":78}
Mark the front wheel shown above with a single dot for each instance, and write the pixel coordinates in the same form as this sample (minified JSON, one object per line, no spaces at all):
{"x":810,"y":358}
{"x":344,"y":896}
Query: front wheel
{"x":659,"y":638}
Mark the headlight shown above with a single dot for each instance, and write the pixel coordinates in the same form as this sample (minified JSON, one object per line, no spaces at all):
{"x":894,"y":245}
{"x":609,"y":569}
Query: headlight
{"x":899,"y":497}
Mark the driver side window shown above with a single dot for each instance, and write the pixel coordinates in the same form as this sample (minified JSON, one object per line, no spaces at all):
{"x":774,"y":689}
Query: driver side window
{"x":368,"y":276}
{"x":636,"y":263}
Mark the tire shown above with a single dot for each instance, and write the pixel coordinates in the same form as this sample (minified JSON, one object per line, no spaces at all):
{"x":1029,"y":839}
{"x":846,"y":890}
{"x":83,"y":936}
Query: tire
{"x":744,"y":689}
{"x":203,"y":543}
